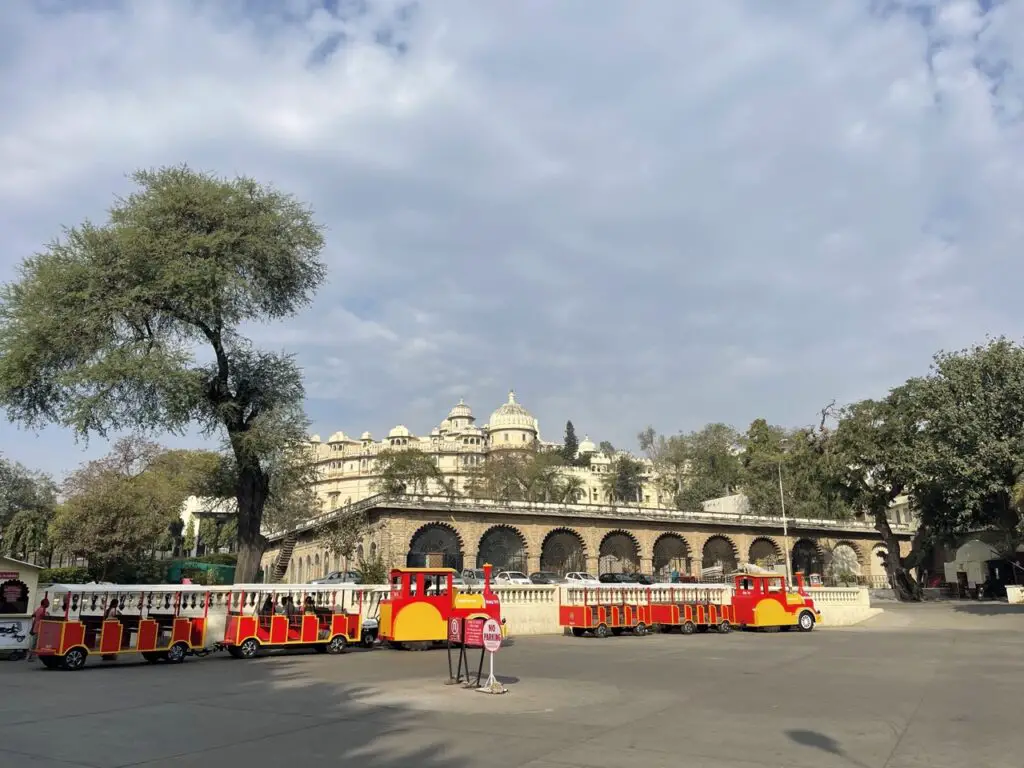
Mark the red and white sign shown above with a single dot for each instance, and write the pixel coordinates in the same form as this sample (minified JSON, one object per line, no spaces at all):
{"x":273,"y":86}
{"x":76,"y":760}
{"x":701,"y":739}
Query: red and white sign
{"x":474,"y":633}
{"x":492,"y":635}
{"x":455,"y":631}
{"x":5,"y":575}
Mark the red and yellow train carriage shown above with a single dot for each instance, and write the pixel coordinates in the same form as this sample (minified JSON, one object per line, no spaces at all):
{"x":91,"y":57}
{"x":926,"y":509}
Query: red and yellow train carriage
{"x":275,"y":616}
{"x":763,"y":601}
{"x":603,"y":611}
{"x":414,"y":615}
{"x":159,"y":623}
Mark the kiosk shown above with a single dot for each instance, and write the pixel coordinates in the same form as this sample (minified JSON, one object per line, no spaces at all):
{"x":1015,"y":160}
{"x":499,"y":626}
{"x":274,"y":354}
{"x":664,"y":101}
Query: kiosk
{"x":18,"y":599}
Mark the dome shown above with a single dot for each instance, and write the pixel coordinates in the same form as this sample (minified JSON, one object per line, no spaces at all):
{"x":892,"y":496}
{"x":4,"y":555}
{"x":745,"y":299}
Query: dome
{"x":461,"y":411}
{"x":314,"y":438}
{"x":512,"y":415}
{"x":338,"y":437}
{"x":587,"y":446}
{"x":366,"y":436}
{"x":400,"y":431}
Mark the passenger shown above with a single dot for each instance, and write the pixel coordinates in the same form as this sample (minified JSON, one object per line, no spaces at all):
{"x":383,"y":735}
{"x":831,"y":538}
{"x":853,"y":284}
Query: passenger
{"x":308,"y":606}
{"x":268,"y":606}
{"x":37,"y":616}
{"x":111,"y":613}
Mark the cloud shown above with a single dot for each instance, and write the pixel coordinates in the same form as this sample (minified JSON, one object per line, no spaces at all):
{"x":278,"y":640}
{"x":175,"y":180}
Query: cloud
{"x":666,"y":213}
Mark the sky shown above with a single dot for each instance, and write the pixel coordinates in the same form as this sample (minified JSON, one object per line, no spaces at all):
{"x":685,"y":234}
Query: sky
{"x":630,"y":212}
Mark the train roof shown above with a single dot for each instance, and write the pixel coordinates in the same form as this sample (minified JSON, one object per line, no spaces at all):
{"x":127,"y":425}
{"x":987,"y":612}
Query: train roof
{"x":107,"y":589}
{"x":424,"y":570}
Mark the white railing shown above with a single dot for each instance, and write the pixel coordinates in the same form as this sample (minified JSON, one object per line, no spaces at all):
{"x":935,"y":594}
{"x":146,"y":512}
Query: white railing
{"x":839,"y":595}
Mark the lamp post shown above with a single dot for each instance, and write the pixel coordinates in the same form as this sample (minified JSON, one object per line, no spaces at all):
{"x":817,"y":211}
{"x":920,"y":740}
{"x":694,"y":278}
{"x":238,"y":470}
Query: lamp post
{"x":785,"y":529}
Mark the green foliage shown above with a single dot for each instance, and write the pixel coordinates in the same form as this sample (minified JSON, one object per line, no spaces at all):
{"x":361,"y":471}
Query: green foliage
{"x":75,"y":574}
{"x":524,"y":476}
{"x":606,"y":448}
{"x":624,"y":483}
{"x":407,"y":470}
{"x":570,"y":444}
{"x":698,"y":466}
{"x":342,"y":534}
{"x":372,"y":570}
{"x":118,"y":508}
{"x":27,"y":504}
{"x":182,"y":263}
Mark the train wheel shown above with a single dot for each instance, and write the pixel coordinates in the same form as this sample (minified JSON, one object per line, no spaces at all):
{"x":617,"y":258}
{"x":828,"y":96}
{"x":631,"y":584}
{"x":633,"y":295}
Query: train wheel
{"x":806,"y":622}
{"x":601,"y":630}
{"x":337,"y":644}
{"x":151,"y":656}
{"x":177,"y":653}
{"x":249,"y":648}
{"x":725,"y":627}
{"x":687,"y":628}
{"x":75,"y":659}
{"x":640,"y":629}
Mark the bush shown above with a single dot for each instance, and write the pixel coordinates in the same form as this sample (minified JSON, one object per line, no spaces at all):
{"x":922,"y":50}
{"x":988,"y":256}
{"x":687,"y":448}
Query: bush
{"x":216,"y":558}
{"x":75,"y":574}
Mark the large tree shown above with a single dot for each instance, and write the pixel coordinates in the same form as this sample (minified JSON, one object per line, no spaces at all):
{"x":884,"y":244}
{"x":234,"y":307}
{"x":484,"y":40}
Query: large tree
{"x":406,"y":470}
{"x":570,"y":444}
{"x":876,"y":453}
{"x":27,"y":504}
{"x":117,"y":509}
{"x":138,"y":323}
{"x":972,"y":424}
{"x":625,"y":480}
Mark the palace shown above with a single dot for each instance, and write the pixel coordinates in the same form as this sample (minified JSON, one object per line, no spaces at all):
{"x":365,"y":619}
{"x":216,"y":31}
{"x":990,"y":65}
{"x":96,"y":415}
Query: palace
{"x":590,"y":531}
{"x":349,"y":472}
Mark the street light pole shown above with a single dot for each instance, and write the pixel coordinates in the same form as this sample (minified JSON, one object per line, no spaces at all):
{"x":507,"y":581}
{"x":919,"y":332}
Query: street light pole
{"x":785,"y":530}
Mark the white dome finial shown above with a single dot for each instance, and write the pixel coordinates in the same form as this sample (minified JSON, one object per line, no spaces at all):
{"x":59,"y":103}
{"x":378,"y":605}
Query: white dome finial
{"x":511,"y":396}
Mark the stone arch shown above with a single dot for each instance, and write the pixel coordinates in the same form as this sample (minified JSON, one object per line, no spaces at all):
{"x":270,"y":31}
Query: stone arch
{"x":845,"y":565}
{"x":720,"y":550}
{"x":807,"y":557}
{"x":877,"y":564}
{"x":671,"y":553}
{"x":765,"y":551}
{"x":436,"y":545}
{"x":562,"y":551}
{"x":317,"y":573}
{"x":504,"y":547}
{"x":619,"y":553}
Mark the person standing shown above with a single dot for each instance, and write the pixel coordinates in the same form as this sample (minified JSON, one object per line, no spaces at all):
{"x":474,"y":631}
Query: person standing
{"x":37,"y":616}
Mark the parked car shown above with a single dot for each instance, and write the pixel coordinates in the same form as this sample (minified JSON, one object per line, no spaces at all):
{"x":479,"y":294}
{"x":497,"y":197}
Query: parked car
{"x":618,"y":578}
{"x":546,"y":577}
{"x":473,"y":577}
{"x":511,"y":577}
{"x":339,"y":577}
{"x":580,"y":577}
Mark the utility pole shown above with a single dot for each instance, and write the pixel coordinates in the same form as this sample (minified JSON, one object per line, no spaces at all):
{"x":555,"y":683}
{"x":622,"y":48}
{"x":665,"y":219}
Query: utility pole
{"x":785,"y":530}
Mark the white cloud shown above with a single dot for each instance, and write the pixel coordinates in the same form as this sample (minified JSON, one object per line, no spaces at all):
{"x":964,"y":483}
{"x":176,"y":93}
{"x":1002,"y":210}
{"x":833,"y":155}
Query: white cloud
{"x":664,"y":212}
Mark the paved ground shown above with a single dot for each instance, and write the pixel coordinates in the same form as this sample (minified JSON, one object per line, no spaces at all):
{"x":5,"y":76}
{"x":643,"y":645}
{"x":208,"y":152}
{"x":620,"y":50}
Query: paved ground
{"x":920,"y":687}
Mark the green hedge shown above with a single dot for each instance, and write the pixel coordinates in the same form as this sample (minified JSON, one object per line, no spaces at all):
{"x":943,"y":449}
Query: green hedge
{"x":76,"y":574}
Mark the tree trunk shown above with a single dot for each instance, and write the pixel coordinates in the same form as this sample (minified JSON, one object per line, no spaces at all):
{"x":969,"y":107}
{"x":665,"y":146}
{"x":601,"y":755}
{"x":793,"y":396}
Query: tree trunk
{"x":251,"y":492}
{"x":903,"y":583}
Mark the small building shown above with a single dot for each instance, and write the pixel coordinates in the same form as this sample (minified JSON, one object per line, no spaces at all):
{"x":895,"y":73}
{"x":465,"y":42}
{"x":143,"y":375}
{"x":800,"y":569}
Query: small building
{"x":18,"y":582}
{"x":19,"y":596}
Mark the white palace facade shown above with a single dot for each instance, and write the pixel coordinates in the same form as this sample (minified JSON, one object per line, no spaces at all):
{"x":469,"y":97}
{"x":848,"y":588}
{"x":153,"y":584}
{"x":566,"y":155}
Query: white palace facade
{"x":458,"y":446}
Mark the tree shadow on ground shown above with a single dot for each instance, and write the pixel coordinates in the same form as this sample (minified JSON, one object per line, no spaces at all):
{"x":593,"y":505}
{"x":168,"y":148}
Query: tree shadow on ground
{"x":820,"y":741}
{"x":989,"y":609}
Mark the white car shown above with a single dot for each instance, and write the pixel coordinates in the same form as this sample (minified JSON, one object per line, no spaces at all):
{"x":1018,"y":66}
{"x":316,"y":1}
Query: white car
{"x":512,"y":577}
{"x":579,"y":577}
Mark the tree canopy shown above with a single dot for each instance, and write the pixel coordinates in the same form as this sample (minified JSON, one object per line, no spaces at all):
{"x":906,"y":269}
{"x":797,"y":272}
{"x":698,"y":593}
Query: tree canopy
{"x":27,"y":503}
{"x":120,"y":508}
{"x":137,"y":323}
{"x":406,"y":471}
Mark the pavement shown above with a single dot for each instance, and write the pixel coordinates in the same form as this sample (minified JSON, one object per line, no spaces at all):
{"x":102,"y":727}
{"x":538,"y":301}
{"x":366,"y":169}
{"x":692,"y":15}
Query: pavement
{"x":922,"y":686}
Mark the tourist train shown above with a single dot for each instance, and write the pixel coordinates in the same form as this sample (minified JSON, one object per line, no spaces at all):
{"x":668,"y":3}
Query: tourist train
{"x":169,"y":623}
